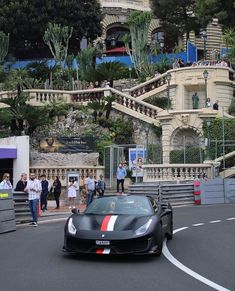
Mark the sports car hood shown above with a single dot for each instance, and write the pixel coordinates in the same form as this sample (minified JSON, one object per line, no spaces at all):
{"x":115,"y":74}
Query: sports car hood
{"x":111,"y":222}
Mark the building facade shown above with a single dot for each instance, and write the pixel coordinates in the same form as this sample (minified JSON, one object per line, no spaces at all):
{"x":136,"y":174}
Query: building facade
{"x":116,"y":12}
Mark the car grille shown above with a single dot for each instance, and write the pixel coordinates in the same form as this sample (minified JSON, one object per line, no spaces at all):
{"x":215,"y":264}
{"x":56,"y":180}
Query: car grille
{"x":116,"y":246}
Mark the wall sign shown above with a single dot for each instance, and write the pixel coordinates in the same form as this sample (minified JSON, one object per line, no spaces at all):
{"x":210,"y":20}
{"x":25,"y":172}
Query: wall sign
{"x":67,"y":145}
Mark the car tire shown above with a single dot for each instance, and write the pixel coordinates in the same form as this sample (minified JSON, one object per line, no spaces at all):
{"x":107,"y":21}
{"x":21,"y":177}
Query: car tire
{"x":159,"y":241}
{"x":169,"y":234}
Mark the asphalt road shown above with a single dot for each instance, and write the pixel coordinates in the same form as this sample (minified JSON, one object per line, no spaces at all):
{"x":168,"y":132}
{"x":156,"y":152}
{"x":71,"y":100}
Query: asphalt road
{"x":31,"y":258}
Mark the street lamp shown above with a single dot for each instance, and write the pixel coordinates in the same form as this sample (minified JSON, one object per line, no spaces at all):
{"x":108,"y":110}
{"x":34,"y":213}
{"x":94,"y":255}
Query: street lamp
{"x":168,"y":78}
{"x":208,"y":123}
{"x":205,"y":76}
{"x":130,"y":69}
{"x":203,"y":35}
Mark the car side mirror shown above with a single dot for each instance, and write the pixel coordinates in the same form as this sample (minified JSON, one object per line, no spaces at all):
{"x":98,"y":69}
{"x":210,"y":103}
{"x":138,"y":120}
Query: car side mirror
{"x":75,"y":211}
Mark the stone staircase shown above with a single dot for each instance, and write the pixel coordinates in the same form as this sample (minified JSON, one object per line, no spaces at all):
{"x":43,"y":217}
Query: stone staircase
{"x":176,"y":194}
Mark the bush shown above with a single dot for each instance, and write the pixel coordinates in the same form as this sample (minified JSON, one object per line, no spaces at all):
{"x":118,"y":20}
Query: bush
{"x":231,"y":109}
{"x":192,"y":156}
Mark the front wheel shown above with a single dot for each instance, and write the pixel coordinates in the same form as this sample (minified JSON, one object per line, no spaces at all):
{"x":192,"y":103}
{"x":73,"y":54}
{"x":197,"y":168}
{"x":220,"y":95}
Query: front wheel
{"x":169,"y":234}
{"x":159,"y":241}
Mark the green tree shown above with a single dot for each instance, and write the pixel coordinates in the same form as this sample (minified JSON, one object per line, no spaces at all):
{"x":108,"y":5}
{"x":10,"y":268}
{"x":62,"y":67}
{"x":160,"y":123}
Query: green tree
{"x":139,"y":23}
{"x":224,"y":10}
{"x":4,"y":44}
{"x":85,"y":60}
{"x":229,"y":39}
{"x":215,"y":133}
{"x":26,"y":21}
{"x":110,"y":71}
{"x":21,"y":117}
{"x":57,"y":38}
{"x":176,"y":16}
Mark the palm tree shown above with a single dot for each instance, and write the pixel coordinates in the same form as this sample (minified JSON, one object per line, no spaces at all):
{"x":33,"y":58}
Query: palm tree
{"x":98,"y":107}
{"x":110,"y":71}
{"x":229,"y":39}
{"x":108,"y":106}
{"x":21,"y":117}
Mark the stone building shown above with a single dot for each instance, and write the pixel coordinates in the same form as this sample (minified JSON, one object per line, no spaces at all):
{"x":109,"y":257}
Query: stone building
{"x":115,"y":26}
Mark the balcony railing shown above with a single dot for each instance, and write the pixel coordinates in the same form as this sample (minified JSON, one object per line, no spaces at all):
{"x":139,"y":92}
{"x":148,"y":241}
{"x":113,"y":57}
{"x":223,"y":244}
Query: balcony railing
{"x":176,"y":172}
{"x":51,"y":172}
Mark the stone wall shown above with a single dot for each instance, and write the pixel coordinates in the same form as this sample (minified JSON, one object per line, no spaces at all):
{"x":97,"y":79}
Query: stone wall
{"x":38,"y":159}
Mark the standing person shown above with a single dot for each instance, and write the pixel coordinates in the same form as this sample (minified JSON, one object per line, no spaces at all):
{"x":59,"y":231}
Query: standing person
{"x":56,"y":191}
{"x":72,"y":192}
{"x":208,"y":102}
{"x":100,"y":186}
{"x":22,"y":183}
{"x":6,"y":184}
{"x":34,"y":189}
{"x":216,"y":105}
{"x":121,"y":174}
{"x":97,"y":85}
{"x":90,"y":188}
{"x":45,"y":186}
{"x":90,"y":86}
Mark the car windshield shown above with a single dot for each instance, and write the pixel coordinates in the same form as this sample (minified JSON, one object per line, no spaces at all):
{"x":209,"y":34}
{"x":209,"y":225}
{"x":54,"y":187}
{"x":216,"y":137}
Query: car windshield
{"x":133,"y":205}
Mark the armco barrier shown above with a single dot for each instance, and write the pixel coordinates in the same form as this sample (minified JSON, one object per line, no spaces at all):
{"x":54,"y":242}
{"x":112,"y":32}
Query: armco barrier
{"x":212,"y":191}
{"x":7,"y":213}
{"x":21,"y":205}
{"x":197,"y":192}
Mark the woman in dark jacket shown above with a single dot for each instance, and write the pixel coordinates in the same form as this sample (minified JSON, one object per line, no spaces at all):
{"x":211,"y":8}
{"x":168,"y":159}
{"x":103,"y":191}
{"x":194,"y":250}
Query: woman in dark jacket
{"x":56,"y":190}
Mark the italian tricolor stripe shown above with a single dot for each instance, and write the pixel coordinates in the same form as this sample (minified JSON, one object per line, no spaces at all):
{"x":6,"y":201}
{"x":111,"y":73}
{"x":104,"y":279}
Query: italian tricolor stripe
{"x":108,"y":223}
{"x":103,"y":251}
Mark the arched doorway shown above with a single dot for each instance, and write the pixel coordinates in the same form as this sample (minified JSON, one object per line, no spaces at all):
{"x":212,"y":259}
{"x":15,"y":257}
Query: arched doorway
{"x":186,"y":146}
{"x":114,"y":37}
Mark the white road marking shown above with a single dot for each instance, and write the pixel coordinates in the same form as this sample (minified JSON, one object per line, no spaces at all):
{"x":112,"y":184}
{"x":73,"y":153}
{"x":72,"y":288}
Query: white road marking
{"x":215,"y":221}
{"x":198,"y":224}
{"x":231,"y":218}
{"x":185,"y":269}
{"x":179,"y":229}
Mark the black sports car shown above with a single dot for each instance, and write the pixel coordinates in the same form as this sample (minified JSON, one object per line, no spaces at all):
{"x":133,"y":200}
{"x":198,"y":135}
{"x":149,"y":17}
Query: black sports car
{"x":124,"y":224}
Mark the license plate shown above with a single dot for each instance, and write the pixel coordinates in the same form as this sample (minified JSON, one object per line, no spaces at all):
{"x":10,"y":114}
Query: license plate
{"x":103,"y":242}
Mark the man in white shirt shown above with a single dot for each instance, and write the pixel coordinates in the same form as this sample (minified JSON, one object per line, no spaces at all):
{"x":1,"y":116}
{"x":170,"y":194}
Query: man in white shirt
{"x":34,"y":189}
{"x":90,"y":188}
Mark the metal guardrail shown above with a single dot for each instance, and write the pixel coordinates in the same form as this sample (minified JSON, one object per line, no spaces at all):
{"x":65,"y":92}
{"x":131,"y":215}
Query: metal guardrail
{"x":7,"y":215}
{"x":176,"y":194}
{"x":21,"y":206}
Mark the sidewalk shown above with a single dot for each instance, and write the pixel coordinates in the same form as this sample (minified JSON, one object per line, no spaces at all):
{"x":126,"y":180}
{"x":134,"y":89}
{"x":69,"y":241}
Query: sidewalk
{"x":63,"y":210}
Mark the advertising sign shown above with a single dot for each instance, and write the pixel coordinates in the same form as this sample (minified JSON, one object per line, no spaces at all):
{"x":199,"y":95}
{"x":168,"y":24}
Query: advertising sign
{"x":136,"y":160}
{"x":67,"y":145}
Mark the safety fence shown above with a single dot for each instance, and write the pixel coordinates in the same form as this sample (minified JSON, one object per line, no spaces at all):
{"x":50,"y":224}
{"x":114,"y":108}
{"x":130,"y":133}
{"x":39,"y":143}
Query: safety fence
{"x":21,"y":206}
{"x":7,"y":214}
{"x":214,"y":191}
{"x":170,"y":191}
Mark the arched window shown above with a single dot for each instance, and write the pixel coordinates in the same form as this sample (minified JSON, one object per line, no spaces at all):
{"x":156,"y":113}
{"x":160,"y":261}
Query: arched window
{"x":115,"y":36}
{"x":159,"y":39}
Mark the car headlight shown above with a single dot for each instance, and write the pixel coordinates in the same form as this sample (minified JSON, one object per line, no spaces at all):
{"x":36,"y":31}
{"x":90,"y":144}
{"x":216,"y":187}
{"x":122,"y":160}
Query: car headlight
{"x":71,"y":228}
{"x":143,"y":229}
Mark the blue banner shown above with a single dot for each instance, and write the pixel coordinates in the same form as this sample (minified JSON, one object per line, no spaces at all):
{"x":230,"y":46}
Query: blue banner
{"x":191,"y":52}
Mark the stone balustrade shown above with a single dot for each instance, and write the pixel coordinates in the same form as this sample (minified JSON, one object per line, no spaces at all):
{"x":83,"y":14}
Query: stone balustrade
{"x":40,"y":96}
{"x":169,"y":172}
{"x":148,"y":86}
{"x":83,"y":171}
{"x":136,"y":105}
{"x":126,"y":4}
